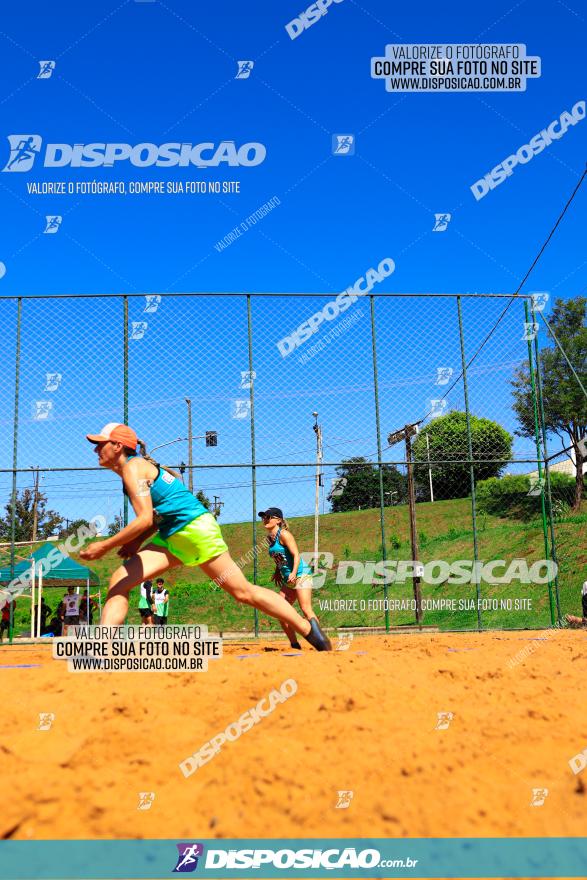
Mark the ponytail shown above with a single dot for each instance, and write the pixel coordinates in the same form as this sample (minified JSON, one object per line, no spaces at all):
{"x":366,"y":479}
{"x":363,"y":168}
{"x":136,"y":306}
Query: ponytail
{"x":147,"y":457}
{"x":283,"y":525}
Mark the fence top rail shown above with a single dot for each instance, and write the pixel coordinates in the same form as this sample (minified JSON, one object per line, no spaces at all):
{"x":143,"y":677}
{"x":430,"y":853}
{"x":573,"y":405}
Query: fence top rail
{"x":382,"y":294}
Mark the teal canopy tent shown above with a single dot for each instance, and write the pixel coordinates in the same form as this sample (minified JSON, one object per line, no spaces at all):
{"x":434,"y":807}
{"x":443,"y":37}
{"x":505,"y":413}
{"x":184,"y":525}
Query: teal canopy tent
{"x":51,"y":572}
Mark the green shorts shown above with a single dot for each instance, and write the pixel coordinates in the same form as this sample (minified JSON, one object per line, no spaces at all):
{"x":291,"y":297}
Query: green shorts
{"x":198,"y":542}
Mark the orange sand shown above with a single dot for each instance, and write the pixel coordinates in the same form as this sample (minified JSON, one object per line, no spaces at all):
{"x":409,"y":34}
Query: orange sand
{"x":363,"y":722}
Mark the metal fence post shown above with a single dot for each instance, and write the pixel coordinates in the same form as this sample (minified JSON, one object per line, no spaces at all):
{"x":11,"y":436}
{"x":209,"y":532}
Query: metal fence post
{"x":378,"y":427}
{"x":539,"y":460}
{"x":14,"y":459}
{"x":470,"y":453}
{"x":253,"y":458}
{"x":125,"y":390}
{"x":546,"y":466}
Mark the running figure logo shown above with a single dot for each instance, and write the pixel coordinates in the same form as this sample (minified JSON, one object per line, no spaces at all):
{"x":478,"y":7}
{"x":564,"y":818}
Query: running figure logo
{"x":52,"y":381}
{"x":530,"y":331}
{"x":244,"y":69}
{"x":539,"y":795}
{"x":241,"y":409}
{"x":343,"y":145}
{"x":441,"y":222}
{"x":247,"y":378}
{"x":344,"y":641}
{"x":437,"y":407}
{"x":23,"y":151}
{"x":537,"y":485}
{"x":138,"y":329}
{"x":344,"y":800}
{"x":42,"y":409}
{"x":47,"y":68}
{"x":443,"y":375}
{"x":152,"y":302}
{"x":187,"y":860}
{"x":146,"y":799}
{"x":53,"y":223}
{"x":46,"y":720}
{"x":444,"y":719}
{"x":539,"y":300}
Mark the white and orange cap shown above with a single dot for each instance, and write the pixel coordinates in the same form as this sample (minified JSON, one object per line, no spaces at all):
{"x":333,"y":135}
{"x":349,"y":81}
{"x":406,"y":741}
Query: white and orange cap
{"x":115,"y":431}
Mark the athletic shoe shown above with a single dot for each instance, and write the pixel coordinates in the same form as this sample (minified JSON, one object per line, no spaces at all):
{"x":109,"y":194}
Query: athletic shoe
{"x":296,"y":646}
{"x":317,"y":638}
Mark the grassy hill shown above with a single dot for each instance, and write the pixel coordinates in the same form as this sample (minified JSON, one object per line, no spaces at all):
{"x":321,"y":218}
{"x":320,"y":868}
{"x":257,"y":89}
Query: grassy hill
{"x":445,"y":533}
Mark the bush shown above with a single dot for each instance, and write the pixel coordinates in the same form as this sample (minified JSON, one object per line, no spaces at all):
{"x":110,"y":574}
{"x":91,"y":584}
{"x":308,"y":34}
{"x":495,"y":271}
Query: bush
{"x":508,"y":496}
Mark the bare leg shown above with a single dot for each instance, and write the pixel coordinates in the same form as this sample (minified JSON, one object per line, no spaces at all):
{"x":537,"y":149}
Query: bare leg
{"x":147,"y":563}
{"x":290,"y":596}
{"x":304,"y":595}
{"x":226,"y":573}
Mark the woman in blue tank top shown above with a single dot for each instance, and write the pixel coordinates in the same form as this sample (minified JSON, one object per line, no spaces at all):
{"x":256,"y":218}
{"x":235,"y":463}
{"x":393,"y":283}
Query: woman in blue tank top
{"x":292,"y":574}
{"x":186,"y":533}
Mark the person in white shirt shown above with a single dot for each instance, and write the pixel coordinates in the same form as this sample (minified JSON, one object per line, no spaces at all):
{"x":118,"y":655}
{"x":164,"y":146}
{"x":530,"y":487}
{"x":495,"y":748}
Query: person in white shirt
{"x":71,"y":603}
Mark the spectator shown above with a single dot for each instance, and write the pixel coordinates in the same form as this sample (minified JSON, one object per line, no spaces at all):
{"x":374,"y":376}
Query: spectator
{"x":578,"y":622}
{"x":145,"y":603}
{"x":45,"y":611}
{"x":83,"y":610}
{"x":70,"y":605}
{"x":160,"y":601}
{"x":5,"y":622}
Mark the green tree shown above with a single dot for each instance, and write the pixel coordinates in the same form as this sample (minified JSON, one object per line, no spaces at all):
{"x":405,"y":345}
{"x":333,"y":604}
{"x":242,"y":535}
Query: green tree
{"x":204,"y":499}
{"x":115,"y":526}
{"x":565,"y":405}
{"x":449,"y":455}
{"x":48,"y":521}
{"x":73,"y":526}
{"x":358,"y":479}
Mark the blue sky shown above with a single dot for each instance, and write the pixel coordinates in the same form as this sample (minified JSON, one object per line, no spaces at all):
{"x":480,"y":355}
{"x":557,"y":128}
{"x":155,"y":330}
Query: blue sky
{"x":165,"y":71}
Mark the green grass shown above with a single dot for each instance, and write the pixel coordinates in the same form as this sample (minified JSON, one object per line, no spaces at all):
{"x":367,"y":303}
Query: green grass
{"x":445,"y":532}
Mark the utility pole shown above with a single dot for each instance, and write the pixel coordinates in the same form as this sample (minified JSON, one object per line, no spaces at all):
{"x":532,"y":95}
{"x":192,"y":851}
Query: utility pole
{"x":218,"y":505}
{"x":429,"y":468}
{"x":190,"y":438}
{"x":35,"y":505}
{"x":413,"y":529}
{"x":406,"y":433}
{"x":318,"y":432}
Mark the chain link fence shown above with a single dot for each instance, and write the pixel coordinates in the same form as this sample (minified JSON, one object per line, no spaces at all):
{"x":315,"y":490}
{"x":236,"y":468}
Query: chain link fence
{"x":390,"y":419}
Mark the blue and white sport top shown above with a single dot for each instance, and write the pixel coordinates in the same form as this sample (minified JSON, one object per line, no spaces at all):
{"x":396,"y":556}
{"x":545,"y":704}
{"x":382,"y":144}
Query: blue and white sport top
{"x":175,"y":504}
{"x":284,"y":558}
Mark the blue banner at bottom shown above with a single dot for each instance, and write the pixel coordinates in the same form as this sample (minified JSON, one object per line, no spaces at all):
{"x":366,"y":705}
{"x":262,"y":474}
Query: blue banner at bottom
{"x":306,"y":858}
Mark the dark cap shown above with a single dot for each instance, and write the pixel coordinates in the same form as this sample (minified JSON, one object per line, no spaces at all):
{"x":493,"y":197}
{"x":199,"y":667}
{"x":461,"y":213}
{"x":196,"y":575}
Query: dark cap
{"x":271,"y":511}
